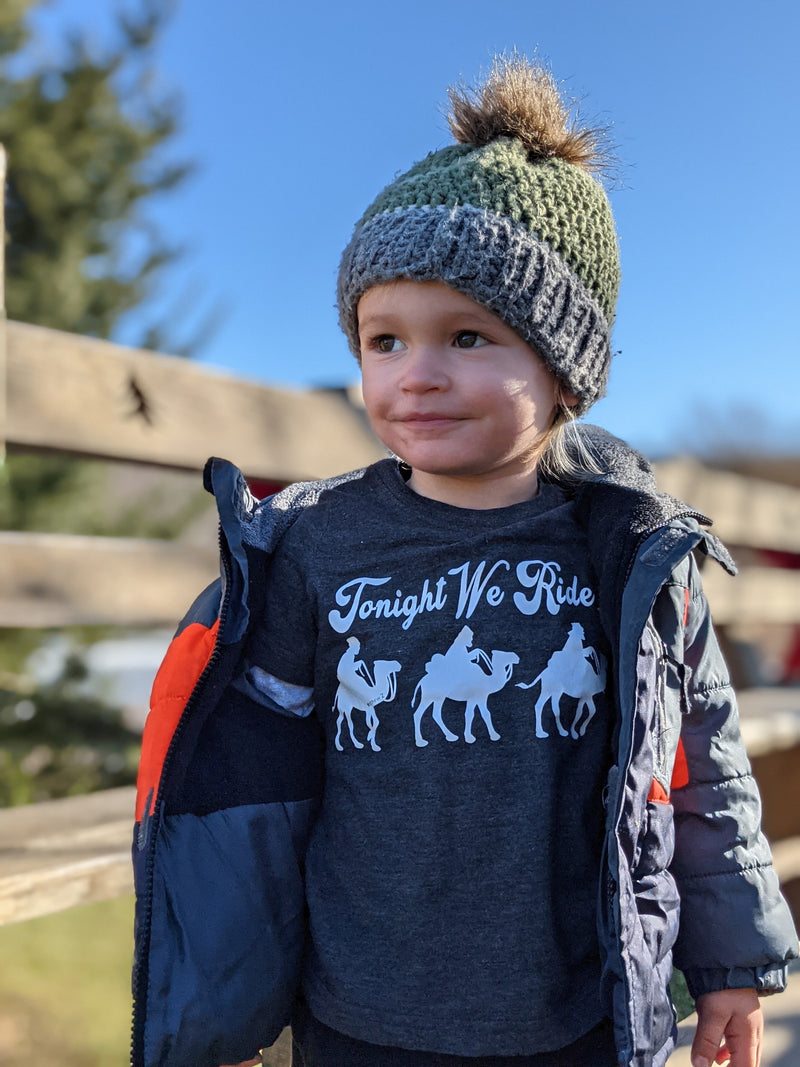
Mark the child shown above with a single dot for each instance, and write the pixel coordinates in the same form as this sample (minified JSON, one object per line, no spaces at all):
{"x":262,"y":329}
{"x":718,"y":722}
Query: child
{"x":502,"y":889}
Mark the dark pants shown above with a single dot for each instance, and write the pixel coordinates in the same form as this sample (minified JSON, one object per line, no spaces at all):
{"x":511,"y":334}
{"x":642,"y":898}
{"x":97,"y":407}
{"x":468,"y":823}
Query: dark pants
{"x":316,"y":1045}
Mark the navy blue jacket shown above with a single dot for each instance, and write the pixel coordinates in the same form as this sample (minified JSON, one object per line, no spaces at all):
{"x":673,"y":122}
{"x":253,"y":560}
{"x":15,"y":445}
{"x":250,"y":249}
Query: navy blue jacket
{"x":228,"y":792}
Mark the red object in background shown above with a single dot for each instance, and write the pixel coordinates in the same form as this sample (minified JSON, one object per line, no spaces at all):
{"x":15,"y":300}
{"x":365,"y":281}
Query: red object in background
{"x":771,"y":557}
{"x":789,"y":561}
{"x":791,"y":665}
{"x":259,"y":488}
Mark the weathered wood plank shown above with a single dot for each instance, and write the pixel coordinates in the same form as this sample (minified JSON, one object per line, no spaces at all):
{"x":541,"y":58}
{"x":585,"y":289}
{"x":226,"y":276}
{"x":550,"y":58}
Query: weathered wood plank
{"x":786,"y":857}
{"x":756,"y":594}
{"x":770,"y":719}
{"x":66,"y":580}
{"x":62,"y":853}
{"x":746,"y":511}
{"x":88,"y":397}
{"x":51,"y":580}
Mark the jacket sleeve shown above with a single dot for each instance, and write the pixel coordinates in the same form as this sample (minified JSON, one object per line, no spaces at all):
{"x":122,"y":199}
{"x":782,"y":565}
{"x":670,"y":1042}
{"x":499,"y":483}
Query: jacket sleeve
{"x":735,"y":926}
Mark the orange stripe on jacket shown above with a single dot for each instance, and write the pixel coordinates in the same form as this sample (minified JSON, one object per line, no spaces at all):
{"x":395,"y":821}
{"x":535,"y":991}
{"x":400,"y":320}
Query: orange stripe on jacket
{"x":680,"y":777}
{"x":680,"y":771}
{"x":177,"y":676}
{"x":658,"y":794}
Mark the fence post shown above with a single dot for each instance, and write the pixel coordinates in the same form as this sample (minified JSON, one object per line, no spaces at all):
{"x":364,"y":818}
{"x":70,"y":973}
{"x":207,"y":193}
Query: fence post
{"x":2,"y":304}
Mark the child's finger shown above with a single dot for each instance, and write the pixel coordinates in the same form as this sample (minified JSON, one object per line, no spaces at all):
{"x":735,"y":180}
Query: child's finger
{"x":744,"y":1044}
{"x":730,"y":1028}
{"x":709,"y":1038}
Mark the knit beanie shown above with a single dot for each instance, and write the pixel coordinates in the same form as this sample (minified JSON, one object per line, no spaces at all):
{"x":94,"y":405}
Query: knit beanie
{"x":513,"y":216}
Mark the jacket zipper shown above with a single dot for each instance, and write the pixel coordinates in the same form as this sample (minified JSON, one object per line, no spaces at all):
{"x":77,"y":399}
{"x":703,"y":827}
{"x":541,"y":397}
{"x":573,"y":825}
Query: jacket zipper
{"x":139,"y":991}
{"x":624,"y":765}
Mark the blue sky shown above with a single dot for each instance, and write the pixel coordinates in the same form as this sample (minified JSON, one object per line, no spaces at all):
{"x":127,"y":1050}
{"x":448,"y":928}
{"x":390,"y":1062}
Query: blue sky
{"x":299,"y":113}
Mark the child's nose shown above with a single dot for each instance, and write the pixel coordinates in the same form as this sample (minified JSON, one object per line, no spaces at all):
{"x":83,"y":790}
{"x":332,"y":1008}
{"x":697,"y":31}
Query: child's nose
{"x":424,"y":369}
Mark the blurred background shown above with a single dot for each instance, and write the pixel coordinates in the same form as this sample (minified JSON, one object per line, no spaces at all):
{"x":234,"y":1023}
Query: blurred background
{"x":181,"y":180}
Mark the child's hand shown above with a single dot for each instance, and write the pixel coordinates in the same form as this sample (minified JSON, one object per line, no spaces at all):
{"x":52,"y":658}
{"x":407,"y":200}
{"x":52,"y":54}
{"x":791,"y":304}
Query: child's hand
{"x":245,"y":1063}
{"x":730,"y":1027}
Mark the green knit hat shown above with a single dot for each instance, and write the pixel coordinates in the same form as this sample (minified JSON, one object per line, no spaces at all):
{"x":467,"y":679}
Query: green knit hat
{"x":513,"y":217}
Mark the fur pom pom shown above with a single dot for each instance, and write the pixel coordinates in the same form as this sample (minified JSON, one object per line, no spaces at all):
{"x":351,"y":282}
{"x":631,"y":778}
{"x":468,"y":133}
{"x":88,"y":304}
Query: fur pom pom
{"x":521,"y":99}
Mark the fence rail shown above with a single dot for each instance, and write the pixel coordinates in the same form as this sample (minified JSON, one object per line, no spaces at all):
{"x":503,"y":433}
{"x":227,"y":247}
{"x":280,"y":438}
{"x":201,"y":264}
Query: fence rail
{"x":62,"y":853}
{"x":55,"y":580}
{"x":87,"y":397}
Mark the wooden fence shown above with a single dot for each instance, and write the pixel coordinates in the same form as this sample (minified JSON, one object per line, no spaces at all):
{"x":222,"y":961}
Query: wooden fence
{"x":83,"y":397}
{"x":73,"y":395}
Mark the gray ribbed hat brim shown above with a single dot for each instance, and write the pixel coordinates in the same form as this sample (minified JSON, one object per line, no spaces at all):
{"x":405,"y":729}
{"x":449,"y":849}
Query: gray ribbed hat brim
{"x":498,"y":263}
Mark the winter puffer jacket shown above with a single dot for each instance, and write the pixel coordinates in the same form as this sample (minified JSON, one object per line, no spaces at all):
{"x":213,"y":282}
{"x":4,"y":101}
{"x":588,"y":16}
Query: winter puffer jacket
{"x":228,"y":792}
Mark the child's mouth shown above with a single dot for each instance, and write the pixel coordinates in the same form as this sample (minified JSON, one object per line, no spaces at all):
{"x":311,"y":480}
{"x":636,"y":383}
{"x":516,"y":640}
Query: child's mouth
{"x":430,"y":418}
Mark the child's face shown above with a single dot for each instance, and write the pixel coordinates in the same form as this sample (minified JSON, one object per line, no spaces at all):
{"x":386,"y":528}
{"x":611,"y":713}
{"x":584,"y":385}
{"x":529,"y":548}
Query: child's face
{"x":455,"y":392}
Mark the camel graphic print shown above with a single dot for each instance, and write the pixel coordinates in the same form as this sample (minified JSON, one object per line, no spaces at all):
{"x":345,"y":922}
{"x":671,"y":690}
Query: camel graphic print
{"x":361,"y":688}
{"x":466,"y":675}
{"x":577,"y":671}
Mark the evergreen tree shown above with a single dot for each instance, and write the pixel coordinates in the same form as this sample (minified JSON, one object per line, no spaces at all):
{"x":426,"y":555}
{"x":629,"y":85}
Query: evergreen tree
{"x":85,"y":140}
{"x":85,"y":144}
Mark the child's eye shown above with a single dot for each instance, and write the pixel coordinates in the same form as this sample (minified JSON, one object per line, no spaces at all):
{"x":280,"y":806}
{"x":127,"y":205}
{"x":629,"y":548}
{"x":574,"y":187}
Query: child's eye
{"x":469,"y":339}
{"x":385,"y":343}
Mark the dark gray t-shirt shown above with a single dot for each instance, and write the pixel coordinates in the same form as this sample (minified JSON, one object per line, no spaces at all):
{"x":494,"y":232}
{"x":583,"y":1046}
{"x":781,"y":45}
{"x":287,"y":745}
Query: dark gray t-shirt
{"x":452,"y":874}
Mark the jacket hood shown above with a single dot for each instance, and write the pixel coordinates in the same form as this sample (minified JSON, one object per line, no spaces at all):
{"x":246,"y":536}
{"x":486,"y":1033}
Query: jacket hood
{"x":622,"y":507}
